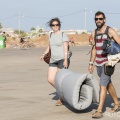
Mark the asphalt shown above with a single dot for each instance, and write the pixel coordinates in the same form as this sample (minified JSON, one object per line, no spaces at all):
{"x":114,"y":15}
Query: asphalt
{"x":25,"y":93}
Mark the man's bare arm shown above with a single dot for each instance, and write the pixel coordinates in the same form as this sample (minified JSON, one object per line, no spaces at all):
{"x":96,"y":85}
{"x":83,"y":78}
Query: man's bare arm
{"x":93,"y":54}
{"x":114,"y":35}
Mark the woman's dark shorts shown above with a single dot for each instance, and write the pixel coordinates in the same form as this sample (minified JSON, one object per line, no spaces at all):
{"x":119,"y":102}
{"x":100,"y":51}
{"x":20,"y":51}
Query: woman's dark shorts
{"x":104,"y":79}
{"x":59,"y":64}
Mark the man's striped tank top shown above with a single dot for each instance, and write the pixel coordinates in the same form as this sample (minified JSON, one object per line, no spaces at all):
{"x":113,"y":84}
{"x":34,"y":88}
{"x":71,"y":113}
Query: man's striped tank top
{"x":101,"y":56}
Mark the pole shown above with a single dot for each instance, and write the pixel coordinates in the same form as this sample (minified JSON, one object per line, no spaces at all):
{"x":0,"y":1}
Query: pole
{"x":85,"y":18}
{"x":19,"y":23}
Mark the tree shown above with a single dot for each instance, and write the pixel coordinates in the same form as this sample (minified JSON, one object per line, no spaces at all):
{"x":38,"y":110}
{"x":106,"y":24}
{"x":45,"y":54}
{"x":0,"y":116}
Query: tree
{"x":40,"y":30}
{"x":16,"y":31}
{"x":0,"y":25}
{"x":83,"y":33}
{"x":22,"y":33}
{"x":32,"y":29}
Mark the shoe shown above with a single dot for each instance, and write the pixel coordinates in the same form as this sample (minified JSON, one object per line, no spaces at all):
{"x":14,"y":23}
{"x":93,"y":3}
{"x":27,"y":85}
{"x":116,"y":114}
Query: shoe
{"x":58,"y":103}
{"x":113,"y":104}
{"x":115,"y":109}
{"x":97,"y":114}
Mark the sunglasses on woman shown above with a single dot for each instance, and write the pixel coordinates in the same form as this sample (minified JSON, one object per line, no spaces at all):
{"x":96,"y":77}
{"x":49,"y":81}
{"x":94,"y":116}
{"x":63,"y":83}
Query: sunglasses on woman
{"x":55,"y":25}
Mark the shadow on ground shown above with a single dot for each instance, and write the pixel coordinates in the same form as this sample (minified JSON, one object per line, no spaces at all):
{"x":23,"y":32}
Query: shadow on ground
{"x":93,"y":106}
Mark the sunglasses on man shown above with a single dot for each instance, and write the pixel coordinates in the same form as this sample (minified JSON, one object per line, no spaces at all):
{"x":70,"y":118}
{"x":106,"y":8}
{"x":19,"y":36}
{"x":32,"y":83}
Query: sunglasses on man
{"x":54,"y":25}
{"x":96,"y":19}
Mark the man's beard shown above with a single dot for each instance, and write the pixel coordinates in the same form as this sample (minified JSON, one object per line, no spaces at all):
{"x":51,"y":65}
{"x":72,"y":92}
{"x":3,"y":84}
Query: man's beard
{"x":100,"y":26}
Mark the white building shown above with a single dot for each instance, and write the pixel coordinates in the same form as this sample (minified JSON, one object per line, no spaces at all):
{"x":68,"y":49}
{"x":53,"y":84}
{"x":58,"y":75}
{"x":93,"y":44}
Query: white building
{"x":9,"y":31}
{"x":74,"y":31}
{"x":68,"y":31}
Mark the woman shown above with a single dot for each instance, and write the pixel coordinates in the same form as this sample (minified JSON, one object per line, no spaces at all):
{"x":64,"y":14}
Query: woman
{"x":58,"y":43}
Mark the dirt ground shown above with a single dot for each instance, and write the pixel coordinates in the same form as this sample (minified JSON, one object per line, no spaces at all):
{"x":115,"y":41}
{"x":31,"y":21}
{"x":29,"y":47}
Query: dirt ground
{"x":42,"y":41}
{"x":25,"y":93}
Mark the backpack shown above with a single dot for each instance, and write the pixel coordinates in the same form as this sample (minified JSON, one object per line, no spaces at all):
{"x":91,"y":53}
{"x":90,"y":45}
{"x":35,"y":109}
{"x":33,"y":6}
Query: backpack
{"x":110,"y":46}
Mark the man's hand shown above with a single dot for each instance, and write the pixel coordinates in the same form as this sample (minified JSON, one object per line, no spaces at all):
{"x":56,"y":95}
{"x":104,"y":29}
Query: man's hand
{"x":91,"y":69}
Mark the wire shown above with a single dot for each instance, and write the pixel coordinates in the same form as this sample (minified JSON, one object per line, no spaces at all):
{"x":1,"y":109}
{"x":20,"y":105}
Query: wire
{"x":72,"y":13}
{"x":19,"y":15}
{"x":8,"y":17}
{"x":58,"y":16}
{"x":113,"y":13}
{"x":42,"y":17}
{"x":35,"y":17}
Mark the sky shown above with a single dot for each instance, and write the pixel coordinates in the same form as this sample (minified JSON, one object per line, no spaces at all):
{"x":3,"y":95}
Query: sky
{"x":35,"y":13}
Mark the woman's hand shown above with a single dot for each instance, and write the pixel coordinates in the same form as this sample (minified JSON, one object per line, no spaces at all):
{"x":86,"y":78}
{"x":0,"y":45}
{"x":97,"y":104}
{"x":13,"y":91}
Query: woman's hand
{"x":45,"y":52}
{"x":91,"y":68}
{"x":65,"y":63}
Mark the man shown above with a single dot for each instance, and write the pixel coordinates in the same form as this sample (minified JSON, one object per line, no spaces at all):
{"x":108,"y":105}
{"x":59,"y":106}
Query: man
{"x":5,"y":39}
{"x":23,"y":42}
{"x":100,"y":58}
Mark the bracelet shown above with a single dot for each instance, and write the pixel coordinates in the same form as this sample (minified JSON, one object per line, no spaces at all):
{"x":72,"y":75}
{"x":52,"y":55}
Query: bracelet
{"x":91,"y":63}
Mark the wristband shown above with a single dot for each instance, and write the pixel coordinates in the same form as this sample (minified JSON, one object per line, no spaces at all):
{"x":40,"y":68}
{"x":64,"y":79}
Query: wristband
{"x":91,"y":63}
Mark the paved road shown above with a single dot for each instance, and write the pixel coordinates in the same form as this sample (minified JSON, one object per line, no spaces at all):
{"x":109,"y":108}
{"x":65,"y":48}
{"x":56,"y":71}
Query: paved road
{"x":26,"y":95}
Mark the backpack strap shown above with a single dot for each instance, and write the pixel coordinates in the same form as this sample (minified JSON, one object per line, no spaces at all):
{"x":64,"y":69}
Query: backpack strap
{"x":95,"y":36}
{"x":68,"y":42}
{"x":50,"y":37}
{"x":106,"y":31}
{"x":62,"y":34}
{"x":51,"y":34}
{"x":107,"y":28}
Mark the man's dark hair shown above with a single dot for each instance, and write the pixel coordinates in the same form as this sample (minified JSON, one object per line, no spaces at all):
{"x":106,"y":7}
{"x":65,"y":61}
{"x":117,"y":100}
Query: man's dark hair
{"x":100,"y":13}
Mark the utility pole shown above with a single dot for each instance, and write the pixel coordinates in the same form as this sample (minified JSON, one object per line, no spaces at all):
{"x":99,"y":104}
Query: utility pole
{"x":85,"y":17}
{"x":19,"y":22}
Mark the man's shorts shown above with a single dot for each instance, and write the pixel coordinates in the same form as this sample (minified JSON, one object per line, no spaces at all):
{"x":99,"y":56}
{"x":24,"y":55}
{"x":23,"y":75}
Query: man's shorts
{"x":59,"y":64}
{"x":104,"y":79}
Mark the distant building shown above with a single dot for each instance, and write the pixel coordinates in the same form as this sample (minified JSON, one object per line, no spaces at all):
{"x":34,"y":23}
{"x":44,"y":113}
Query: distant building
{"x":68,"y":31}
{"x":74,"y":31}
{"x":9,"y":31}
{"x":47,"y":32}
